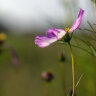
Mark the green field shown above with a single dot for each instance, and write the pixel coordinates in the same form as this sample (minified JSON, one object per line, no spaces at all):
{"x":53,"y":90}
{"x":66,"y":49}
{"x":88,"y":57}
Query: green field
{"x":25,"y":80}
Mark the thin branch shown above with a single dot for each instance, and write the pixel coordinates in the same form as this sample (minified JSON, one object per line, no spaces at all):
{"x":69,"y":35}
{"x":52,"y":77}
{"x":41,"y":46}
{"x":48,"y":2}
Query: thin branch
{"x":82,"y":49}
{"x":82,"y":41}
{"x":91,"y":26}
{"x":79,"y":80}
{"x":78,"y":48}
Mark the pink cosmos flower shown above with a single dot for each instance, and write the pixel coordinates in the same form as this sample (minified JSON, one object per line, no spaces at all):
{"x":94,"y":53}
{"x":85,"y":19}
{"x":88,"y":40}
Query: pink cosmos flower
{"x":55,"y":34}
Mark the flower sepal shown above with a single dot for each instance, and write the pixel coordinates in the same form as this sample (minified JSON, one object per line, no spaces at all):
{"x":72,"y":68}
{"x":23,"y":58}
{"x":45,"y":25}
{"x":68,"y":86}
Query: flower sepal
{"x":67,"y":38}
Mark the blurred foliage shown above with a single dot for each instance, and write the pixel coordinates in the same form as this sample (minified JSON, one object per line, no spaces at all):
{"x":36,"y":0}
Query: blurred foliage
{"x":25,"y":79}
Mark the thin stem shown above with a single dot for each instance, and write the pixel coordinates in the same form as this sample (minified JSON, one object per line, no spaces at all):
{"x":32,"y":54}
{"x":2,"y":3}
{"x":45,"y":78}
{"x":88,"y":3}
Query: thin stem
{"x":79,"y":80}
{"x":82,"y":49}
{"x":87,"y":30}
{"x":91,"y":26}
{"x":78,"y":48}
{"x":73,"y":72}
{"x":63,"y":80}
{"x":82,"y":41}
{"x":88,"y":44}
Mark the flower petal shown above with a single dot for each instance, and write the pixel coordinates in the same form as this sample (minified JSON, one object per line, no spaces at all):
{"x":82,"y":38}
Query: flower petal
{"x":54,"y":32}
{"x":77,"y":21}
{"x":52,"y":35}
{"x":43,"y":41}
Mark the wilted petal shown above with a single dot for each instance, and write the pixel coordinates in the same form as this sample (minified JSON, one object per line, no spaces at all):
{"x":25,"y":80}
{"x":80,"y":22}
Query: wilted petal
{"x":77,"y":21}
{"x":43,"y":41}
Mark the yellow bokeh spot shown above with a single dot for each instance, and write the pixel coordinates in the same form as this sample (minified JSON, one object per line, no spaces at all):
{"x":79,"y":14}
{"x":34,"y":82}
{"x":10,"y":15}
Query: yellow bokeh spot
{"x":67,"y":29}
{"x":2,"y":36}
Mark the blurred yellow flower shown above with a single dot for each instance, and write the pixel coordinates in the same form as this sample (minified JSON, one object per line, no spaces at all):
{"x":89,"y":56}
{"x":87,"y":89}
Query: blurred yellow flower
{"x":2,"y":37}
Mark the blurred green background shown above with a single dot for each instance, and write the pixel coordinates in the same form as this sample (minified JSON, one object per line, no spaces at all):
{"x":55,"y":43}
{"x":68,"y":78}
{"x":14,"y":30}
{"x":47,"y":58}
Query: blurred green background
{"x":22,"y":20}
{"x":25,"y":79}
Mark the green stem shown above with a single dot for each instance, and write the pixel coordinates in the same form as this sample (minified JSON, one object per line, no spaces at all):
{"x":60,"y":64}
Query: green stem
{"x":73,"y":72}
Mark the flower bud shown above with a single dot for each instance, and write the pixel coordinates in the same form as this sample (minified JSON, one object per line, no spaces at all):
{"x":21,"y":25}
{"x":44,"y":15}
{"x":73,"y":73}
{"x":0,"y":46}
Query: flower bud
{"x":47,"y":76}
{"x":61,"y":56}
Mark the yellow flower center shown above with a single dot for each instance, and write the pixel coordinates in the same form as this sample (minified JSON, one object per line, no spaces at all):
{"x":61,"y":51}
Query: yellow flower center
{"x":2,"y":36}
{"x":67,"y":30}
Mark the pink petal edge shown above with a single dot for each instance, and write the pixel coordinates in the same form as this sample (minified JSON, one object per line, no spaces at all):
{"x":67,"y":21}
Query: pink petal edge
{"x":77,"y":22}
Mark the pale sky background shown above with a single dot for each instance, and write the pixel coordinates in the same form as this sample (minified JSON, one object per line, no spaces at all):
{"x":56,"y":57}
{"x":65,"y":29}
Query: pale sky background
{"x":28,"y":14}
